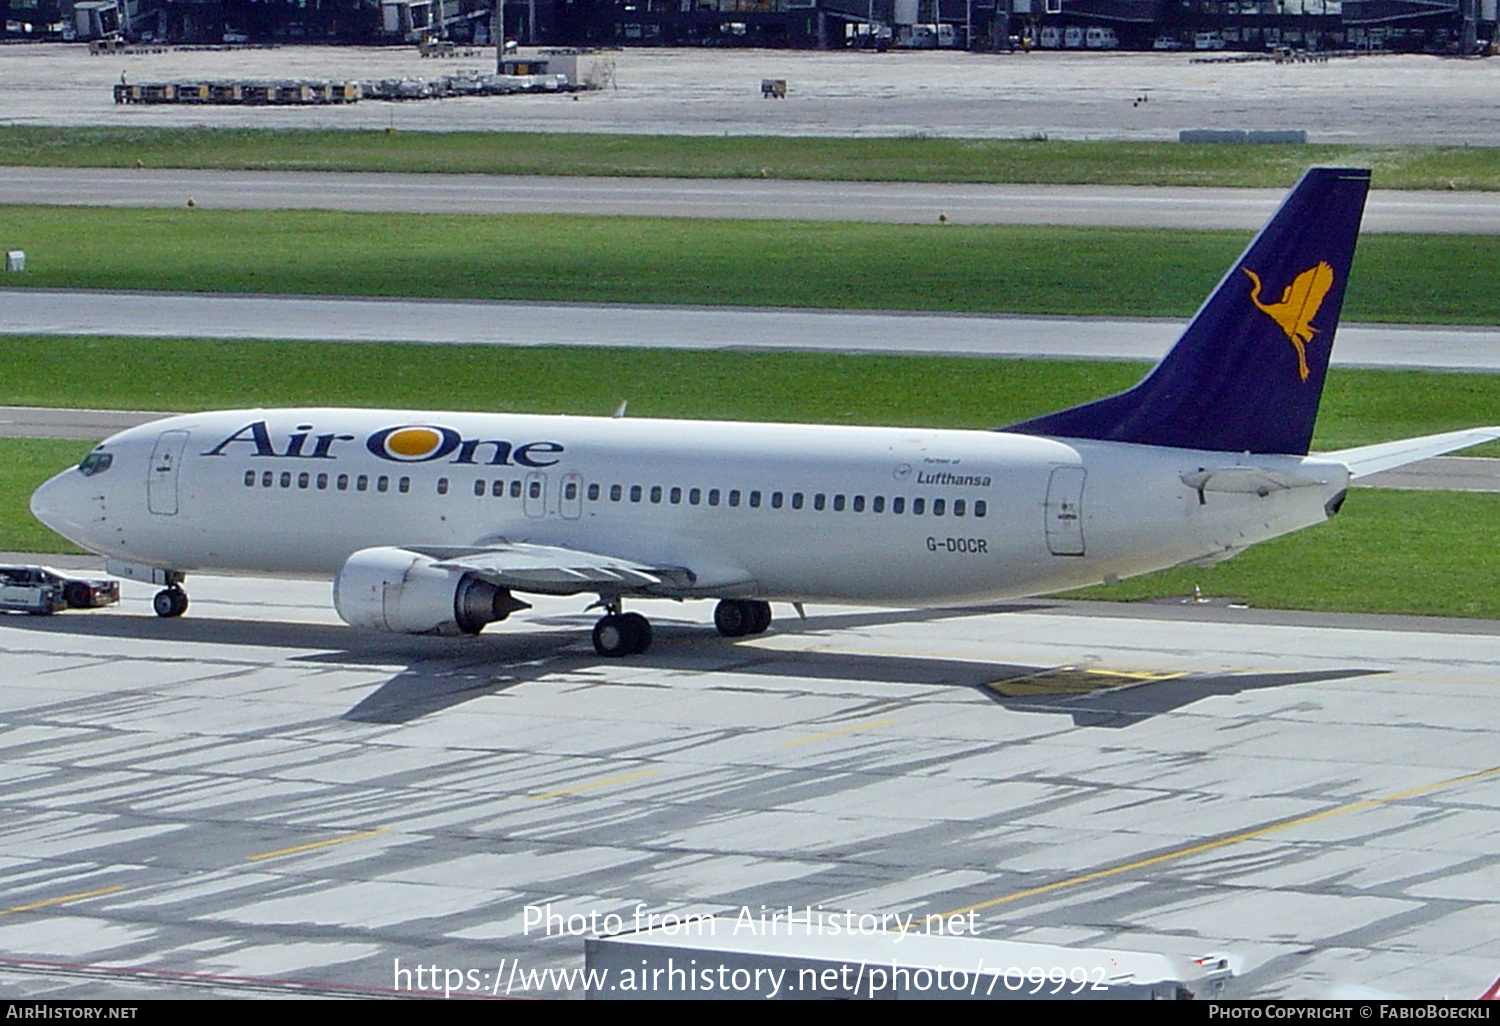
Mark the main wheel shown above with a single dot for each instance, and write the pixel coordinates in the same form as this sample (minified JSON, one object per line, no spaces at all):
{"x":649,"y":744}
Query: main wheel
{"x":618,"y":636}
{"x":170,"y":602}
{"x":760,"y":616}
{"x":609,"y":638}
{"x":733,"y":618}
{"x":639,"y":630}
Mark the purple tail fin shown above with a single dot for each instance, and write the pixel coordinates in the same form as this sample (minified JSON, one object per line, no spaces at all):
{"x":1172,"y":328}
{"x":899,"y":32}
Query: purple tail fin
{"x":1247,"y":374}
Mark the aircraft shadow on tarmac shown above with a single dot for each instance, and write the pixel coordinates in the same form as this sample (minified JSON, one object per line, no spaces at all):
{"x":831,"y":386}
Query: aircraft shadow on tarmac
{"x":444,"y":672}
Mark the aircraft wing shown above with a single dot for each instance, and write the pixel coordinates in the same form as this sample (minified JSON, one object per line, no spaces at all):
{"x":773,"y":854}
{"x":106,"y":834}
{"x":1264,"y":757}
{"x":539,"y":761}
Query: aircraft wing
{"x":554,"y":570}
{"x":1371,"y":459}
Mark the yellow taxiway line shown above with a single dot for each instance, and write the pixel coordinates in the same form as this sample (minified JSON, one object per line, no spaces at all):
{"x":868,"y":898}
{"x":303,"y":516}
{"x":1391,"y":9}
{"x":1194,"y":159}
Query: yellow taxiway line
{"x":835,"y":733}
{"x":63,"y":900}
{"x":590,"y":786}
{"x":316,"y":844}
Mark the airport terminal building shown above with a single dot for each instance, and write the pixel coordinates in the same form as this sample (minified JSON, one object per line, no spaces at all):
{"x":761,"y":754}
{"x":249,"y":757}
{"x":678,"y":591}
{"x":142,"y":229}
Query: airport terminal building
{"x":1443,"y":26}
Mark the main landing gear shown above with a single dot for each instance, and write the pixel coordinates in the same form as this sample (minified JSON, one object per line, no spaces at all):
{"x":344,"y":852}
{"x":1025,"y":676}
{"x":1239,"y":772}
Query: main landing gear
{"x":736,"y":618}
{"x":170,"y":601}
{"x":618,"y":634}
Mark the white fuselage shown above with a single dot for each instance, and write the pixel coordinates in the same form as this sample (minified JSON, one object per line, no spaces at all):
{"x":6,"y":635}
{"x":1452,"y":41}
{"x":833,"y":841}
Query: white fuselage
{"x":770,"y":511}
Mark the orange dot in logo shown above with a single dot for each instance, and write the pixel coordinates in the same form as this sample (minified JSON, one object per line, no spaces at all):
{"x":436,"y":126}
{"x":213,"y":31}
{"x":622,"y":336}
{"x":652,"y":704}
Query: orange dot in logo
{"x":412,"y":443}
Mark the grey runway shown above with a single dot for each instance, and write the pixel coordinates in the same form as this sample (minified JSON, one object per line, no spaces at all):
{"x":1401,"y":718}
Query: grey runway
{"x":82,"y":425}
{"x":262,"y":799}
{"x":343,"y":319}
{"x":897,"y":202}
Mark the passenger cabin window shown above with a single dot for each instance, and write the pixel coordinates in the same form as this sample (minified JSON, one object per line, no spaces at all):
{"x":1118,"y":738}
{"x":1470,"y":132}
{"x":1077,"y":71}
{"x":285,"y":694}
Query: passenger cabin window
{"x":958,"y":507}
{"x":593,"y":493}
{"x":479,"y":487}
{"x":918,"y":506}
{"x":249,"y":479}
{"x":497,"y":490}
{"x":656,"y":493}
{"x":755,"y":500}
{"x":343,"y":483}
{"x":570,"y":490}
{"x":818,"y":501}
{"x":980,"y":507}
{"x":734,"y":496}
{"x":304,"y":479}
{"x":938,"y":506}
{"x":675,"y":496}
{"x":362,"y":483}
{"x":382,"y":483}
{"x":535,"y":491}
{"x":286,"y":479}
{"x":322,"y":482}
{"x":838,"y":504}
{"x":266,"y":479}
{"x":898,"y":505}
{"x":515,"y":489}
{"x":877,"y":504}
{"x":635,"y":493}
{"x":404,"y":485}
{"x":796,"y":500}
{"x":442,"y":486}
{"x":713,"y":496}
{"x":615,"y":492}
{"x":695,"y":496}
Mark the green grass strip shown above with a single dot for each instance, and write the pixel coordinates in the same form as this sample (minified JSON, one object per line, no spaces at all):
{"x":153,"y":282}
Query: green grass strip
{"x":24,"y":464}
{"x":984,"y":268}
{"x":1423,"y":553}
{"x":886,"y":160}
{"x":1359,"y":406}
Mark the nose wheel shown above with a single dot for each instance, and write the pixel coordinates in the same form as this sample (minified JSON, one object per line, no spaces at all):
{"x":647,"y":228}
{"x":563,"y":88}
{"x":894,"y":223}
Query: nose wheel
{"x":170,"y":602}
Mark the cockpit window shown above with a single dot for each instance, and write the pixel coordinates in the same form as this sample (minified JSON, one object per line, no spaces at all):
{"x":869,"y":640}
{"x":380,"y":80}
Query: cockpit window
{"x":96,"y":463}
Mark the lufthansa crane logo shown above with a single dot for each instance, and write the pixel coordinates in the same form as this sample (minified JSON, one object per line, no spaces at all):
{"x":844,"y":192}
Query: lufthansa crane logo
{"x":1297,"y":307}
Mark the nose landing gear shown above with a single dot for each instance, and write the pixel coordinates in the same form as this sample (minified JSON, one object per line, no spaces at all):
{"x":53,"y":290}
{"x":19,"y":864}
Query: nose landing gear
{"x":170,"y":602}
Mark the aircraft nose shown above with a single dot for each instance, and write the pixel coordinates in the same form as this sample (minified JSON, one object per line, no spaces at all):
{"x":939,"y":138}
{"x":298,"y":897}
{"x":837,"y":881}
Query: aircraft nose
{"x":64,"y":504}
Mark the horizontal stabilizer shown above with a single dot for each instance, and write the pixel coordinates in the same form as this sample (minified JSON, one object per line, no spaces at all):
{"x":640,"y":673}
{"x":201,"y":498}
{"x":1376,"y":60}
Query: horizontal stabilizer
{"x":1372,"y":459}
{"x":1247,"y":480}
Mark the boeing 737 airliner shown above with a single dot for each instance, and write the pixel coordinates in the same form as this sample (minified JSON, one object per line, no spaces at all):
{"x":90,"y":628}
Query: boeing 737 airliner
{"x":433,"y":522}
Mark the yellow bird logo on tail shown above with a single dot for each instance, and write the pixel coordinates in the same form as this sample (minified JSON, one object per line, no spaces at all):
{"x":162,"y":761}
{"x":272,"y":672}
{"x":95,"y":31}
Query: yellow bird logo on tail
{"x":1297,"y":307}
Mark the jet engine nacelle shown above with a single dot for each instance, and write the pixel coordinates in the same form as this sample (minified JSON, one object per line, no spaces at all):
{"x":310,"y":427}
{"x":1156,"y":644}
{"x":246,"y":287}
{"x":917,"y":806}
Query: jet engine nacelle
{"x":393,"y":589}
